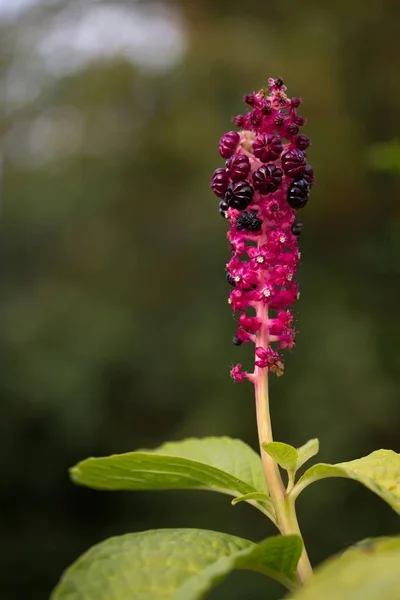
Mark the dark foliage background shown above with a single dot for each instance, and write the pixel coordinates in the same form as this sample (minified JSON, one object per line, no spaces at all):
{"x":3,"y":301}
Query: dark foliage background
{"x":114,"y":327}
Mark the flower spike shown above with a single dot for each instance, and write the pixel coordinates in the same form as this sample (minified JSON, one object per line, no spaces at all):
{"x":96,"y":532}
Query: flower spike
{"x":266,"y":180}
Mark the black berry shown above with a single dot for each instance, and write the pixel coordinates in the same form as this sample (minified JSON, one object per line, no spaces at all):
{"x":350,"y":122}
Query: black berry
{"x":239,"y":195}
{"x":308,"y":175}
{"x":223,"y":207}
{"x":230,"y":279}
{"x":298,"y":193}
{"x":237,"y":341}
{"x":249,"y":221}
{"x":296,"y":228}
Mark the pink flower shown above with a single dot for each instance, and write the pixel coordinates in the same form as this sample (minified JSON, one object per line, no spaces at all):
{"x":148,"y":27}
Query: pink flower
{"x":265,"y":182}
{"x":237,"y":374}
{"x":267,"y":358}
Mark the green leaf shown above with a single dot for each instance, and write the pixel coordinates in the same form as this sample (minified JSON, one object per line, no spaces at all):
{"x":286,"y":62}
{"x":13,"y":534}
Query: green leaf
{"x":304,"y":453}
{"x":252,"y":496}
{"x":379,"y":471}
{"x":369,"y":570}
{"x":284,"y":454}
{"x":180,"y":564}
{"x":217,"y":464}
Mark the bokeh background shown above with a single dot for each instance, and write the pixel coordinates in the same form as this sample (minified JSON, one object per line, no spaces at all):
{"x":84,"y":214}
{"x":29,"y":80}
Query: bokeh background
{"x":115,"y":331}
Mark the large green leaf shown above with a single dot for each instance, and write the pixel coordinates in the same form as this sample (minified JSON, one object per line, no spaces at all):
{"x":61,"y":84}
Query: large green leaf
{"x":379,"y":471}
{"x":218,"y":464}
{"x":368,"y":571}
{"x":181,"y":564}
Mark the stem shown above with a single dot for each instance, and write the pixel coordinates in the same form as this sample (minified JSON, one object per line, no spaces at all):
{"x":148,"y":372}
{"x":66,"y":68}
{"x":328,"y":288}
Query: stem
{"x":283,"y":503}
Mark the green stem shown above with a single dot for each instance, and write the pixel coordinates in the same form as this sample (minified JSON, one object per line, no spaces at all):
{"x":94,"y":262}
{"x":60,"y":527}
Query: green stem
{"x":283,"y":504}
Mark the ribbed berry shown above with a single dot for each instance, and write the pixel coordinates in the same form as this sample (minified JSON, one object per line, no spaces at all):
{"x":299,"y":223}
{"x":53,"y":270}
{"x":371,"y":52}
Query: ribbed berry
{"x":300,"y":121}
{"x":237,"y":167}
{"x":293,"y":129}
{"x":298,"y":193}
{"x":308,"y":175}
{"x":255,"y":120}
{"x":219,"y":182}
{"x":296,"y":228}
{"x":250,"y":99}
{"x":249,"y":221}
{"x":238,"y":120}
{"x":228,"y":144}
{"x":294,"y":162}
{"x":239,"y":195}
{"x":223,"y":207}
{"x":302,"y":142}
{"x":267,"y":147}
{"x":266,"y":109}
{"x":267,"y":179}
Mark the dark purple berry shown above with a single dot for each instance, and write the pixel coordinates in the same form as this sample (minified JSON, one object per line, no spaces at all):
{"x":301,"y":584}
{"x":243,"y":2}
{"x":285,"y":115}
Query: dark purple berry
{"x":267,"y":147}
{"x":298,"y":193}
{"x":228,"y":144}
{"x":266,"y":109}
{"x":238,"y":120}
{"x":293,"y":129}
{"x":295,"y":102}
{"x":249,"y":221}
{"x":308,"y":175}
{"x":250,"y":99}
{"x":230,"y":279}
{"x":237,"y":341}
{"x":267,"y":179}
{"x":296,"y":228}
{"x":255,"y":119}
{"x":238,"y":167}
{"x":293,"y":163}
{"x":300,"y":121}
{"x":279,"y":120}
{"x":223,"y":207}
{"x":239,"y":195}
{"x":302,"y":142}
{"x":278,"y":82}
{"x":219,"y":182}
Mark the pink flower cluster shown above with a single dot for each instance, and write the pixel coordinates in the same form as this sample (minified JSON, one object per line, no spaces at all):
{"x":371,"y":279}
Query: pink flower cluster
{"x":266,"y":180}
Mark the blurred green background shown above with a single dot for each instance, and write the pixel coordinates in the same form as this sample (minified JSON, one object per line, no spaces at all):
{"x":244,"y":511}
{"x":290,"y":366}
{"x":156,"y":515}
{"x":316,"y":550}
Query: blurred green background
{"x":115,"y":331}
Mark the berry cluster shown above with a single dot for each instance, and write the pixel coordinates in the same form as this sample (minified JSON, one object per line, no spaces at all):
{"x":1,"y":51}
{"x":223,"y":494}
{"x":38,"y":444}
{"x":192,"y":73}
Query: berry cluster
{"x":266,"y":179}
